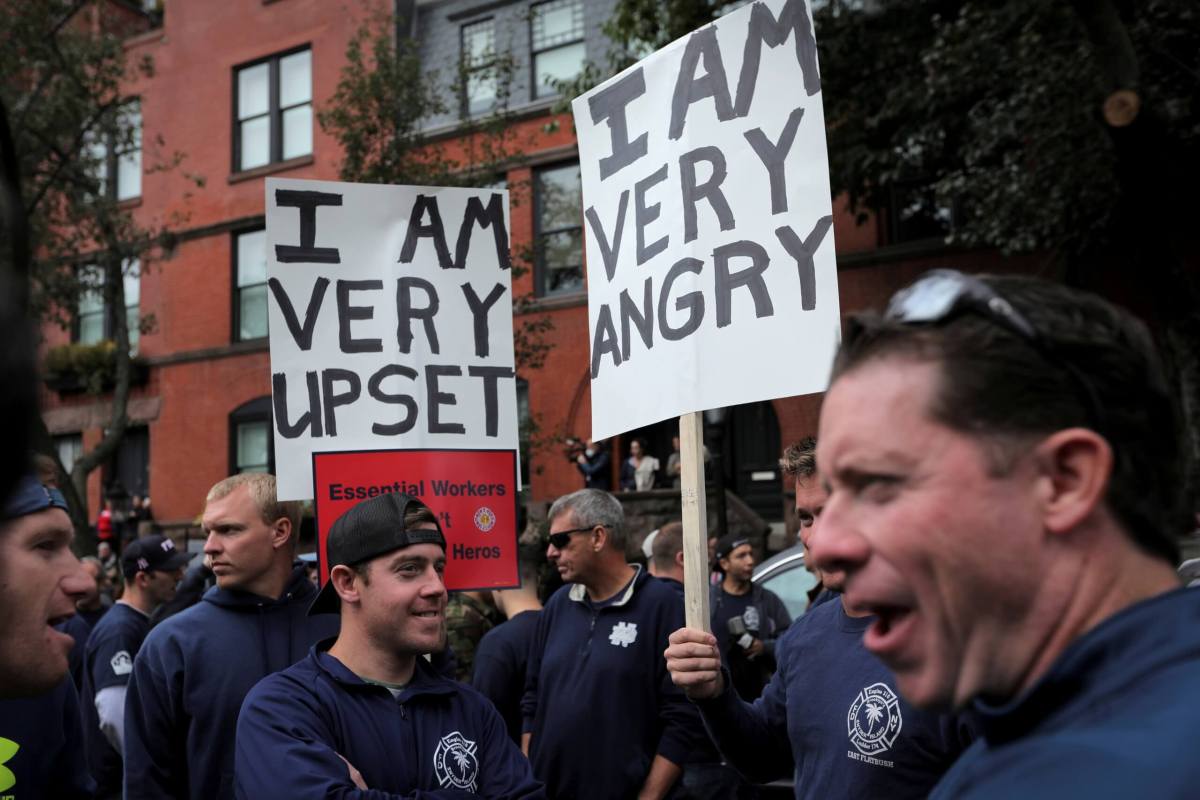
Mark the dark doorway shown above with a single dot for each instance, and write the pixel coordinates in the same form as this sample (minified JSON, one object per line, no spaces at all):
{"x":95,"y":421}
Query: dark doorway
{"x":658,"y":444}
{"x":130,"y":467}
{"x":751,"y":458}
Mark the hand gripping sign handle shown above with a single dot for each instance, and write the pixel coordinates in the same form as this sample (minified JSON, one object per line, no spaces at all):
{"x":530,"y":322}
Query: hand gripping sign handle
{"x":695,"y":521}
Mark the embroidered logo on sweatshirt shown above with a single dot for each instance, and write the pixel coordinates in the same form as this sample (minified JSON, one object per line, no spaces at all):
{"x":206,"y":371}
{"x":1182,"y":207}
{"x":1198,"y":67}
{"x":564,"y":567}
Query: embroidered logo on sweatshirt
{"x":874,"y":721}
{"x":455,"y":763}
{"x":623,"y":634}
{"x":121,"y":663}
{"x":750,"y":617}
{"x":8,"y":749}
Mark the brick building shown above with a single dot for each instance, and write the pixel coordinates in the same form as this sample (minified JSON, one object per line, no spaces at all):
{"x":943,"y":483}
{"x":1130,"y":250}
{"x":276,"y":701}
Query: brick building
{"x":235,"y":89}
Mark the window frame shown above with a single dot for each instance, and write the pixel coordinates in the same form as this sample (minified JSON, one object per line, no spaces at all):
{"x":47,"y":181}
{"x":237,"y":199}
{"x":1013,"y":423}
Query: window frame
{"x":539,"y":268}
{"x":274,"y":112}
{"x":534,"y":51}
{"x":73,"y":441}
{"x":107,"y":312}
{"x":248,"y":413}
{"x":111,"y":161}
{"x":467,"y":69}
{"x":235,"y":312}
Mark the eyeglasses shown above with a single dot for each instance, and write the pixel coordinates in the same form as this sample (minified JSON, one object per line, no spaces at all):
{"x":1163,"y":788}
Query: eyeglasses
{"x":560,"y":539}
{"x":942,"y":293}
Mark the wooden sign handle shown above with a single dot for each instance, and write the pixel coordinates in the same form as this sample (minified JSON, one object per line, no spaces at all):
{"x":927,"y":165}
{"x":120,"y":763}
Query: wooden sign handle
{"x":695,"y":521}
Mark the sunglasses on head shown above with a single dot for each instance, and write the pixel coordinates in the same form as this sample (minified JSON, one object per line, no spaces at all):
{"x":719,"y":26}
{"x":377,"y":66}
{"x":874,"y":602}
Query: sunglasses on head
{"x":942,"y":294}
{"x":560,"y":539}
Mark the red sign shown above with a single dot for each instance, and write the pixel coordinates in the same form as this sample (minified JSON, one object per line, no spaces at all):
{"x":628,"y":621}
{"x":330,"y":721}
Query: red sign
{"x":473,"y":493}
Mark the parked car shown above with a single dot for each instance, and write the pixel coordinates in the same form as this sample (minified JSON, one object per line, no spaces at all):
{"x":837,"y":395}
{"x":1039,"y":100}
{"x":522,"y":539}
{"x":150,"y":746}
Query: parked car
{"x":785,"y":575}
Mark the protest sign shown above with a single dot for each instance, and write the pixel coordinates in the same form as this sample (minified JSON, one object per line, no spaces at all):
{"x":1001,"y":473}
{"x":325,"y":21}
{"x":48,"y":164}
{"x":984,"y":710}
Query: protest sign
{"x":390,"y":315}
{"x":472,"y":492}
{"x":711,"y":272}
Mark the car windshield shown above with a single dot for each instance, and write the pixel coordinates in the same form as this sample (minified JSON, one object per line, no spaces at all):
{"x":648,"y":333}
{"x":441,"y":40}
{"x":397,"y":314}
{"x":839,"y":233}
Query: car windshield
{"x":791,"y":584}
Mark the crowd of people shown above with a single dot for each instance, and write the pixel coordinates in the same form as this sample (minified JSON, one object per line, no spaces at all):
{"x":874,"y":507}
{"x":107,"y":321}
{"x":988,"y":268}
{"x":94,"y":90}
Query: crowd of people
{"x":991,"y":508}
{"x":638,"y":472}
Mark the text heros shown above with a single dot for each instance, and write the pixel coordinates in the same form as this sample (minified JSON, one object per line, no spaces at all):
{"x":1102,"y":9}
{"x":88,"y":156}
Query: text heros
{"x":708,"y":222}
{"x":472,"y":492}
{"x":390,"y":318}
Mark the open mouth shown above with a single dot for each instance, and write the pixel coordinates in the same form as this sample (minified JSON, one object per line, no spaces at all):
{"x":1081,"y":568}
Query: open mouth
{"x":427,"y":614}
{"x":53,"y":621}
{"x":890,"y":629}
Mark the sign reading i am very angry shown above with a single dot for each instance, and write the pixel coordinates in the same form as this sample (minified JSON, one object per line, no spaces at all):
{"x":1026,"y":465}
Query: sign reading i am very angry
{"x":709,"y":222}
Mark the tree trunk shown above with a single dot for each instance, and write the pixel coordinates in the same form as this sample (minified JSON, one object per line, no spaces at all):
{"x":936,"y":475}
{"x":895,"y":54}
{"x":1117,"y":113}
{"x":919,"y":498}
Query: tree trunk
{"x":114,"y":296}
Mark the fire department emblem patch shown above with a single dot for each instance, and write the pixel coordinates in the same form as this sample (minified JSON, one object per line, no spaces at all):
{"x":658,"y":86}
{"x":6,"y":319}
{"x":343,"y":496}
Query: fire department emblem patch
{"x":874,"y":719}
{"x":485,"y":519}
{"x":455,"y":762}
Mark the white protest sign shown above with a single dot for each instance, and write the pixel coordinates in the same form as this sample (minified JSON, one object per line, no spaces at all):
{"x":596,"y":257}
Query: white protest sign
{"x":711,"y":271}
{"x":390,"y":314}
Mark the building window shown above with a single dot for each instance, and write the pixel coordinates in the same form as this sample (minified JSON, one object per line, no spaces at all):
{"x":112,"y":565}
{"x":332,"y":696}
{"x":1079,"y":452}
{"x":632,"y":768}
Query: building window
{"x":70,"y":448}
{"x":556,"y":36}
{"x":93,"y":321}
{"x":478,"y":55}
{"x":250,"y":285}
{"x":251,"y":445}
{"x":273,"y":100}
{"x":558,"y":257}
{"x":90,"y":318}
{"x":115,"y":155}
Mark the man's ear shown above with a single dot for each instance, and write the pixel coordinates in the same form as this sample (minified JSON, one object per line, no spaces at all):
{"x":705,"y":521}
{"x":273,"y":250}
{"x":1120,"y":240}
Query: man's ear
{"x":281,"y":532}
{"x":679,"y":558}
{"x":346,"y":583}
{"x":600,"y":538}
{"x":1074,"y":467}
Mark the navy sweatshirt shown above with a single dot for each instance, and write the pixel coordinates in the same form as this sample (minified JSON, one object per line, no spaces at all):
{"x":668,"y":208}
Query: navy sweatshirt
{"x":598,"y":698}
{"x":832,"y":710}
{"x":435,"y":739}
{"x":500,"y":662}
{"x":1114,"y":717}
{"x":191,"y":676}
{"x":41,"y":747}
{"x":78,"y":629}
{"x":108,"y":662}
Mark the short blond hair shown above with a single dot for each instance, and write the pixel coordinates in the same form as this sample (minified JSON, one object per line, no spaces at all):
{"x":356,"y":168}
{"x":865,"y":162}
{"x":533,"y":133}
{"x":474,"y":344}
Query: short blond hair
{"x":261,"y":486}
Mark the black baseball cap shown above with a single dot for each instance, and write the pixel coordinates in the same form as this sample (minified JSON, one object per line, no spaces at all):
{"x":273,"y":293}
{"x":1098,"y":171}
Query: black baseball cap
{"x":151,"y":553}
{"x":728,"y":543}
{"x":368,"y":530}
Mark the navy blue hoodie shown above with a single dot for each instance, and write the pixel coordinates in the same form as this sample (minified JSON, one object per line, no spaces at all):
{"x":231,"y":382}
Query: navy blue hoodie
{"x":1115,"y":716}
{"x":191,"y":676}
{"x":500,"y":661}
{"x":435,"y":739}
{"x":41,"y":747}
{"x":598,"y":698}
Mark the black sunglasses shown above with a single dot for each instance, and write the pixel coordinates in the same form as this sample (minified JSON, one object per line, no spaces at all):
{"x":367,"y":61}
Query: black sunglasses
{"x":940,"y":294}
{"x":560,"y":539}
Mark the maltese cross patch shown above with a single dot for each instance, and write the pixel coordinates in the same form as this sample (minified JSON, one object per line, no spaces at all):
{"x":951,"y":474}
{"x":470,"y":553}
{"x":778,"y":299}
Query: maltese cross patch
{"x":623,"y":634}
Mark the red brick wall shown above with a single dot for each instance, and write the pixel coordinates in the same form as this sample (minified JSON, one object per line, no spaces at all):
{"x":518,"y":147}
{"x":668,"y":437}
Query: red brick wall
{"x":188,"y":102}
